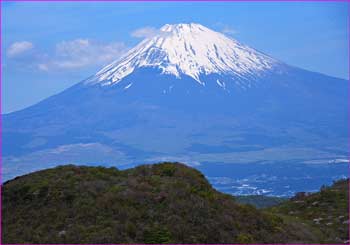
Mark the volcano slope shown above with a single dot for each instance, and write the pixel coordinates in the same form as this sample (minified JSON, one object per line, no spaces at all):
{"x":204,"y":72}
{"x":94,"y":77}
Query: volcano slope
{"x":219,"y":101}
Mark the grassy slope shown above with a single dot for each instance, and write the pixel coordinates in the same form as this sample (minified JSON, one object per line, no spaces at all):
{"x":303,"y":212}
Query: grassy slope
{"x":161,"y":203}
{"x":326,"y":210}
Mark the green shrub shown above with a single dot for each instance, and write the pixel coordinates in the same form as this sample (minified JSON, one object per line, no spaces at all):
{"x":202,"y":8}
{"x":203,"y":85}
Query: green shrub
{"x":245,"y":238}
{"x":168,"y":170}
{"x":157,"y":235}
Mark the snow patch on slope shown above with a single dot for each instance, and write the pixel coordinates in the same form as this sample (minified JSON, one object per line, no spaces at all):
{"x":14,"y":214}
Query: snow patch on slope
{"x":127,"y":86}
{"x":221,"y":84}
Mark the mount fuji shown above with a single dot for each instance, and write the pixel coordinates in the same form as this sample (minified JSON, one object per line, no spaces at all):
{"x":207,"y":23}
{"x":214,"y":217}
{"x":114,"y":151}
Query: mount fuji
{"x":187,"y":94}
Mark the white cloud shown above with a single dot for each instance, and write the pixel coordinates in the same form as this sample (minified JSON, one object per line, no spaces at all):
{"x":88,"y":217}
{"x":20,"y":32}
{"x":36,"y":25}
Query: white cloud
{"x":225,"y":28}
{"x":43,"y":67}
{"x":229,"y":30}
{"x":145,"y":32}
{"x":80,"y":53}
{"x":18,"y":48}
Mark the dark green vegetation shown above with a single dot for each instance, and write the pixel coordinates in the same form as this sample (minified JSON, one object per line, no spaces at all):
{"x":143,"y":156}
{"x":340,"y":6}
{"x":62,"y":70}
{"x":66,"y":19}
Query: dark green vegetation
{"x":260,"y":201}
{"x":161,"y":203}
{"x":327,"y":210}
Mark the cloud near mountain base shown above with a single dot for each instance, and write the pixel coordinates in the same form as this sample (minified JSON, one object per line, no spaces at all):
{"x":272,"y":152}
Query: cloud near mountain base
{"x":65,"y":55}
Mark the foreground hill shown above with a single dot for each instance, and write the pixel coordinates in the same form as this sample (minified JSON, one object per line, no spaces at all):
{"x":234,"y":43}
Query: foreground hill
{"x":161,"y":203}
{"x":328,"y":210}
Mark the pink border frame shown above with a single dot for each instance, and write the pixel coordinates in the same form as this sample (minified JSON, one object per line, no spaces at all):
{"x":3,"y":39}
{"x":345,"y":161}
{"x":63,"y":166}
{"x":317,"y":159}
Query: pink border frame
{"x":174,"y":0}
{"x":162,"y":1}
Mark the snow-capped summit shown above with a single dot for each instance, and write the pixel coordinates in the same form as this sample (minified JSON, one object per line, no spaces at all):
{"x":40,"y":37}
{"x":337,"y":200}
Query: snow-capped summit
{"x":187,"y":49}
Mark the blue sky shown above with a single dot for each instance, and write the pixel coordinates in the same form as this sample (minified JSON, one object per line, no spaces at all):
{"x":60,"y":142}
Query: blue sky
{"x":47,"y":47}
